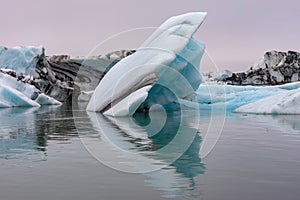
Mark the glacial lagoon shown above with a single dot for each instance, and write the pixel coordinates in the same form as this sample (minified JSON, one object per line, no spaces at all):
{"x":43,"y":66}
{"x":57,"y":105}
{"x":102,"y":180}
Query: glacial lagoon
{"x":45,"y":154}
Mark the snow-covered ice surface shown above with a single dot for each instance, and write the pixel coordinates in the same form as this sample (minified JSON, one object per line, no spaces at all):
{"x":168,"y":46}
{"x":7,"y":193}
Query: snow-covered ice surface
{"x":44,"y":99}
{"x":14,"y":93}
{"x":231,"y":97}
{"x":167,"y":61}
{"x":287,"y":102}
{"x":281,"y":99}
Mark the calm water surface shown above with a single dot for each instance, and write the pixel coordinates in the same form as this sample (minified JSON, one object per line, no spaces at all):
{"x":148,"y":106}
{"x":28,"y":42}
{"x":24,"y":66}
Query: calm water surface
{"x":54,"y":153}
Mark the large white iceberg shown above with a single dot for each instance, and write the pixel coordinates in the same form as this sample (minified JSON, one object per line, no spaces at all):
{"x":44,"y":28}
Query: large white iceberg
{"x":167,"y":62}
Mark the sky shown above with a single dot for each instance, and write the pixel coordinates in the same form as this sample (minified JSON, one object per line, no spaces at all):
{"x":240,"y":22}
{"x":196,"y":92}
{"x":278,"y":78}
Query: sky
{"x":237,"y":33}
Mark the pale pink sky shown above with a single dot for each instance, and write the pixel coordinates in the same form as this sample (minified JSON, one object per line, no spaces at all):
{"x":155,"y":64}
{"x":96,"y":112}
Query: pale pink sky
{"x":236,"y":32}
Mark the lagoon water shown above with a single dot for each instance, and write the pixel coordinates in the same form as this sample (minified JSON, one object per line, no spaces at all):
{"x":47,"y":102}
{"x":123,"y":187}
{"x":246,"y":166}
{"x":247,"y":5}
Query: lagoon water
{"x":63,"y":153}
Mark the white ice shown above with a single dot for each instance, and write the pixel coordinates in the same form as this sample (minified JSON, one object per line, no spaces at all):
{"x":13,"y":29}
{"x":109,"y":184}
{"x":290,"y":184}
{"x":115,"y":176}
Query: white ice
{"x":170,"y":57}
{"x":130,"y":104}
{"x":14,"y":93}
{"x":43,"y":99}
{"x":287,"y":102}
{"x":281,"y":99}
{"x":20,"y":59}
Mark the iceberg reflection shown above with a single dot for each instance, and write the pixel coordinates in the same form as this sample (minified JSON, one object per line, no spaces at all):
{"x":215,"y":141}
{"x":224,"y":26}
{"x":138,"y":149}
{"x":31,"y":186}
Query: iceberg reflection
{"x":288,"y":124}
{"x":26,"y":132}
{"x":136,"y":145}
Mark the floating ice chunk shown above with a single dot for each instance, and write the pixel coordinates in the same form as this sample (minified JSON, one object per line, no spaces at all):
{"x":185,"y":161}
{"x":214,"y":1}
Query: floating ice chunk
{"x":16,"y":93}
{"x":168,"y":60}
{"x":46,"y":100}
{"x":85,"y":96}
{"x":11,"y":97}
{"x":284,"y":103}
{"x":127,"y":76}
{"x":130,"y":104}
{"x":232,"y":97}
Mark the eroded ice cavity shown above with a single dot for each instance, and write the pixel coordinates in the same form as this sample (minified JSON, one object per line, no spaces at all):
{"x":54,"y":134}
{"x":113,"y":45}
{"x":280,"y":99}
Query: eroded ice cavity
{"x":163,"y":71}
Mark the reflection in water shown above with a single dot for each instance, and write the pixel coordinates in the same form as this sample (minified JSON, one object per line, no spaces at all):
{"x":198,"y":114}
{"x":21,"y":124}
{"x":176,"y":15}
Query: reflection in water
{"x":288,"y":124}
{"x":149,"y":135}
{"x":26,"y":131}
{"x":26,"y":134}
{"x":178,"y":178}
{"x":19,"y":138}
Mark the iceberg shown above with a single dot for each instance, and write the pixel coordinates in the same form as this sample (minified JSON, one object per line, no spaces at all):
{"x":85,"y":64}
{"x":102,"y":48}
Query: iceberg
{"x":216,"y":96}
{"x":164,"y":70}
{"x":15,"y":93}
{"x":280,"y":99}
{"x":287,"y":102}
{"x":22,"y":60}
{"x":274,"y":68}
{"x":17,"y":74}
{"x":30,"y":78}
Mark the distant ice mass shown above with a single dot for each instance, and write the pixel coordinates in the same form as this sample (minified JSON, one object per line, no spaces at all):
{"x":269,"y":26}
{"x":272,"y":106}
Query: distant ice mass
{"x":231,"y":97}
{"x":274,"y":68}
{"x":14,"y":92}
{"x":20,"y":59}
{"x":164,"y":70}
{"x":17,"y":78}
{"x":29,"y":78}
{"x":270,"y":86}
{"x":287,"y":102}
{"x":280,"y":99}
